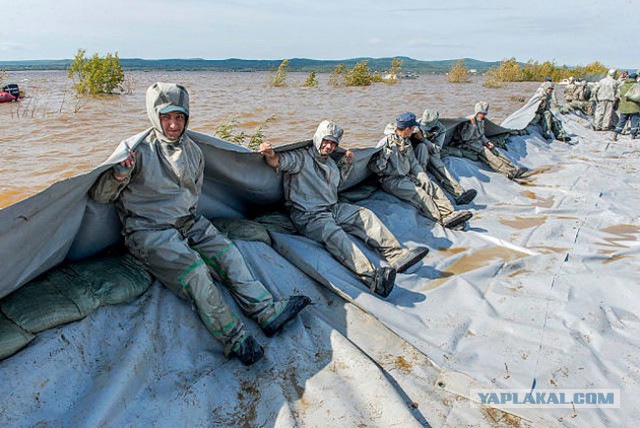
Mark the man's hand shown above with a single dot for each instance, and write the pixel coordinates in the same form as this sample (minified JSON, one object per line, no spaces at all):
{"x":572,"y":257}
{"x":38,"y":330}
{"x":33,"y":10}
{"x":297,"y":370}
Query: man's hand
{"x":270,"y":155}
{"x":490,"y":145}
{"x":266,"y":149}
{"x":349,"y":156}
{"x":124,"y":168}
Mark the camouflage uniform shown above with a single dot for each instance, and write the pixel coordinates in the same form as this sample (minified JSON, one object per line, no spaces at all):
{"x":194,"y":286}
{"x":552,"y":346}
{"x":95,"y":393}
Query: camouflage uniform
{"x":551,"y":127}
{"x":580,"y":100}
{"x":606,"y":96}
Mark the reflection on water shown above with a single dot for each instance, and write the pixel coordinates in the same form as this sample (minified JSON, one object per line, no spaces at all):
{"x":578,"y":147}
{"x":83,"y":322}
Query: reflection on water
{"x":52,"y":135}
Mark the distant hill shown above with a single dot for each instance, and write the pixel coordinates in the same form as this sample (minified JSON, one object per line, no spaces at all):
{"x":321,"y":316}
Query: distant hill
{"x":235,"y":64}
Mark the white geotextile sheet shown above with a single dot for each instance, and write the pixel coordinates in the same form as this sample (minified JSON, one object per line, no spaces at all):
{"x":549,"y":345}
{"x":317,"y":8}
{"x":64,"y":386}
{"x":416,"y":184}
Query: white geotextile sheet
{"x":542,"y":287}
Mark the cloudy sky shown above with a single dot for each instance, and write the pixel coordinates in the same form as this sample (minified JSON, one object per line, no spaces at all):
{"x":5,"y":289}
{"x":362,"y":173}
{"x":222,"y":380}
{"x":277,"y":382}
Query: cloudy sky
{"x":566,"y":31}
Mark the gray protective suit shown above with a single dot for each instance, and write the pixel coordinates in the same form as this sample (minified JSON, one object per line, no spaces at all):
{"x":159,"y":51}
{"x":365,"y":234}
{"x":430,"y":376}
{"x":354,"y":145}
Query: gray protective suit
{"x":427,"y":148}
{"x":401,"y":175}
{"x":606,"y":95}
{"x":472,"y":137}
{"x":157,"y":207}
{"x":311,"y":191}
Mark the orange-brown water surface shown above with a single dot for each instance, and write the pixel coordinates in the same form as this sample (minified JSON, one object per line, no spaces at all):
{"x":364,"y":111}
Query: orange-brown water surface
{"x":51,"y":135}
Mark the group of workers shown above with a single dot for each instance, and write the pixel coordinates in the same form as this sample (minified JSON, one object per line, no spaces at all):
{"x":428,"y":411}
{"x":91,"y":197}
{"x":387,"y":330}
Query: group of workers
{"x":608,"y":95}
{"x":157,"y":187}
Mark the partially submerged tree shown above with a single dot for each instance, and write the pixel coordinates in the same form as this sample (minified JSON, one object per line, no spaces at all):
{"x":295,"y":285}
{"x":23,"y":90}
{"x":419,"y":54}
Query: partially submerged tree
{"x":96,"y":75}
{"x":279,"y":80}
{"x":458,"y":73}
{"x":359,"y":75}
{"x":312,"y":80}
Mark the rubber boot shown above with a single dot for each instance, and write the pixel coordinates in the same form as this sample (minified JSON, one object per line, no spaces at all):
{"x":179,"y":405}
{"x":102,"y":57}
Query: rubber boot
{"x":383,"y":282}
{"x":410,"y":258}
{"x":248,"y":351}
{"x":294,"y":305}
{"x":466,"y":197}
{"x":456,"y":219}
{"x":522,"y":170}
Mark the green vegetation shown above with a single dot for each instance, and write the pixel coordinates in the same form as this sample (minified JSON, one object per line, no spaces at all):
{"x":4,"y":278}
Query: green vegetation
{"x":361,"y":75}
{"x":96,"y":75}
{"x":227,"y":130}
{"x":458,"y":73}
{"x":510,"y":70}
{"x":312,"y":80}
{"x":279,"y":80}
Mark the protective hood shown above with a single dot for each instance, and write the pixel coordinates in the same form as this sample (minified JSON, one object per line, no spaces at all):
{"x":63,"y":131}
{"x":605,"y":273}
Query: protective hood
{"x":162,"y":95}
{"x":327,"y":130}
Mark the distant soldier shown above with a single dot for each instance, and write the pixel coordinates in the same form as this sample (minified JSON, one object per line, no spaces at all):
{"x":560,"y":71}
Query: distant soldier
{"x":428,"y":140}
{"x":629,"y":109}
{"x":569,"y":92}
{"x":606,"y":95}
{"x":551,"y":126}
{"x":582,"y":97}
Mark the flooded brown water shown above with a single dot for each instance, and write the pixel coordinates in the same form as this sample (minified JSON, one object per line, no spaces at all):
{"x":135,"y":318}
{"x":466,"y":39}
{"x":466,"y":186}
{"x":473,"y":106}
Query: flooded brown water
{"x":50,"y":135}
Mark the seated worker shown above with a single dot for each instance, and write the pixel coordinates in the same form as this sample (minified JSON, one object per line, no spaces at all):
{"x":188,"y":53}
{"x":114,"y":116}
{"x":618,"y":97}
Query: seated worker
{"x":427,"y":142}
{"x":156,"y":190}
{"x":401,"y":175}
{"x":551,"y":127}
{"x":311,"y":180}
{"x":471,"y":137}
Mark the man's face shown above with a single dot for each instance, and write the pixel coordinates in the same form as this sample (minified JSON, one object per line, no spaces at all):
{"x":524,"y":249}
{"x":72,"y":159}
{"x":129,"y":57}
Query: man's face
{"x":173,"y":124}
{"x":327,"y":147}
{"x":406,"y":132}
{"x":481,"y":116}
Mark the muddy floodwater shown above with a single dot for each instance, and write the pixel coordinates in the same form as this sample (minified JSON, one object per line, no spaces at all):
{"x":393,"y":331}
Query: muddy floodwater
{"x":52,"y":135}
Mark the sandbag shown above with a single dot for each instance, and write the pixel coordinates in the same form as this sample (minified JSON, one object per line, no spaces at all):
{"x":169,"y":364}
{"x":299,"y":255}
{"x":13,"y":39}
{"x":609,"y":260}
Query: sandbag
{"x":73,"y":290}
{"x":56,"y":297}
{"x":277,"y":222}
{"x":358,"y":193}
{"x":12,"y":337}
{"x":113,"y":279}
{"x":244,"y":230}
